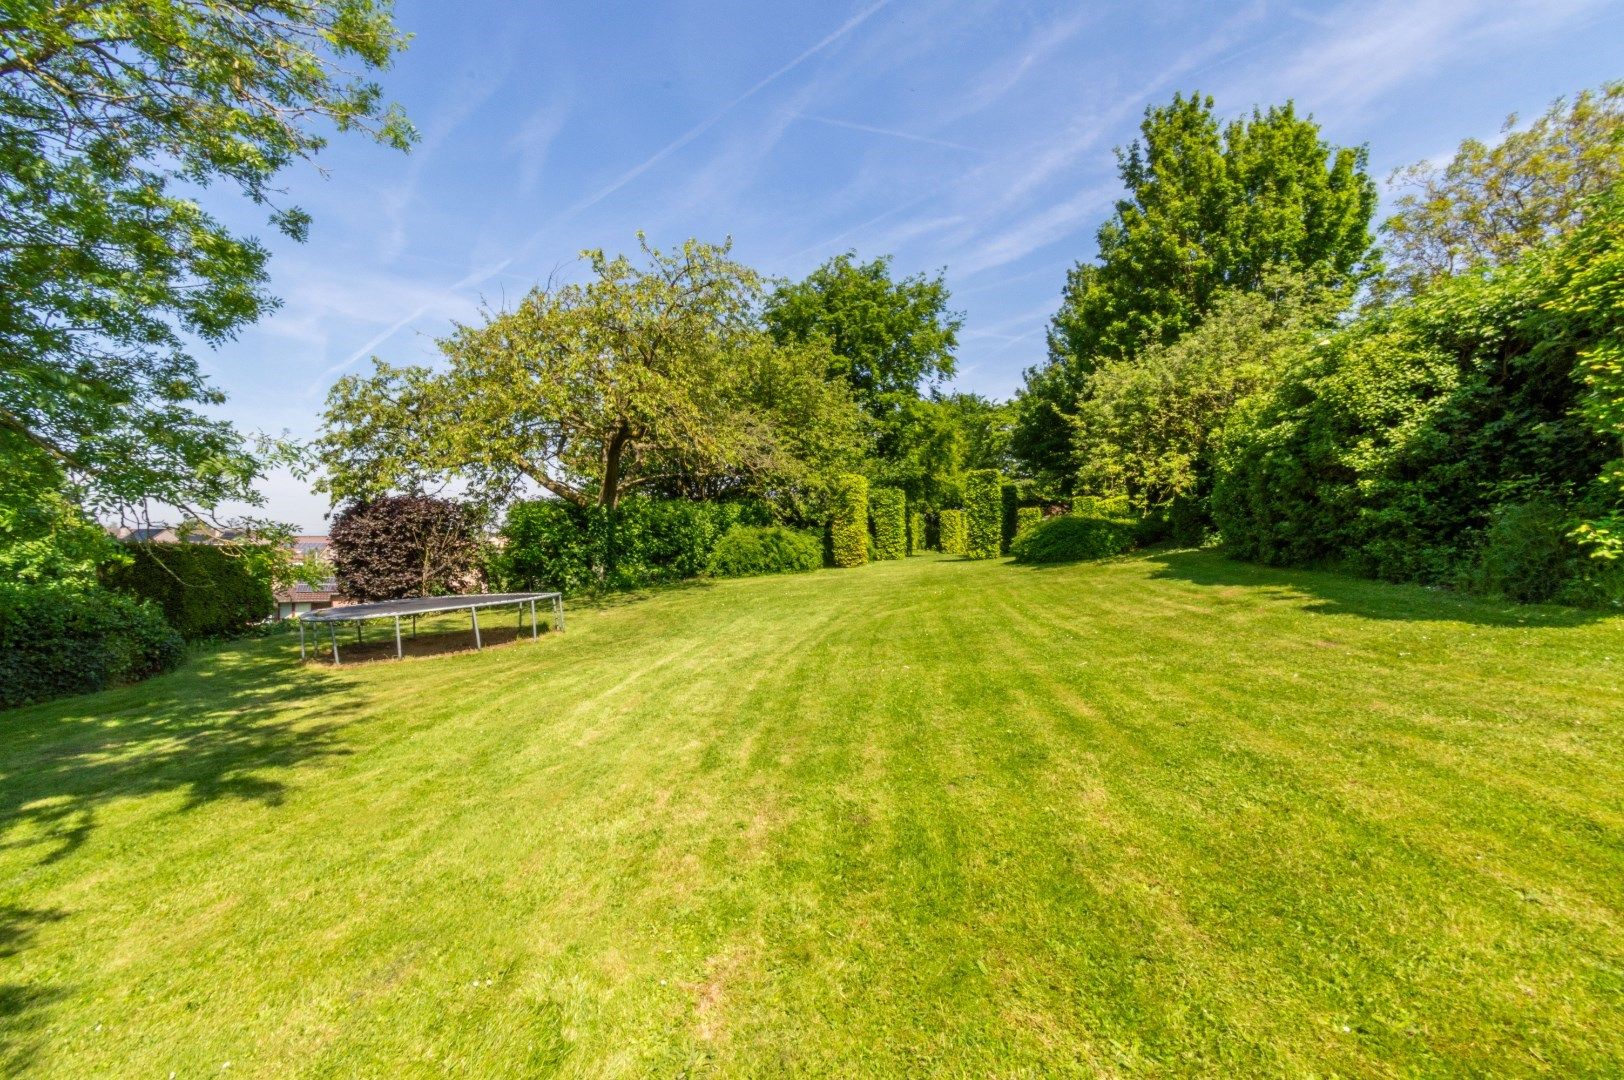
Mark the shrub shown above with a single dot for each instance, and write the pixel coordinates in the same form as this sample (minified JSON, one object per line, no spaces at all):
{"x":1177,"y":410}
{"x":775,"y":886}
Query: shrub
{"x":1026,"y":517}
{"x":404,"y":545}
{"x":203,"y":590}
{"x":1015,"y":494}
{"x":887,"y":507}
{"x":984,"y":514}
{"x":953,"y":532}
{"x":765,"y":549}
{"x":1073,"y":537}
{"x":916,"y":533}
{"x":1527,"y":555}
{"x":57,"y":640}
{"x":848,"y":528}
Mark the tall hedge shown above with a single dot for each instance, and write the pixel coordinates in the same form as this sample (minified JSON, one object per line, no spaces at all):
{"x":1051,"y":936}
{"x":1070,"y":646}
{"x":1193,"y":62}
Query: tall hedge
{"x":952,"y":532}
{"x":984,"y":514}
{"x":203,"y":590}
{"x":916,"y":533}
{"x":1014,"y":495}
{"x":1026,"y":517}
{"x":888,"y":509}
{"x":57,"y":640}
{"x":848,"y":527}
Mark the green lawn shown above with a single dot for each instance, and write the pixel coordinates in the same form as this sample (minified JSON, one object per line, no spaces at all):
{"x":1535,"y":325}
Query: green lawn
{"x":1168,"y":815}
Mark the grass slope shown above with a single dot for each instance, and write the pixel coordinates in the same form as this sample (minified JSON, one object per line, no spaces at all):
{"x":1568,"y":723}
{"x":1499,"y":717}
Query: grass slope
{"x":1169,"y":815}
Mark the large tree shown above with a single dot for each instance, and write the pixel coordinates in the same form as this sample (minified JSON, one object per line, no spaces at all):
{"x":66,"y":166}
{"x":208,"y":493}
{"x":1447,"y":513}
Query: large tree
{"x":647,"y":375}
{"x":1490,"y":204}
{"x":1209,"y":207}
{"x":113,"y":114}
{"x":890,"y":339}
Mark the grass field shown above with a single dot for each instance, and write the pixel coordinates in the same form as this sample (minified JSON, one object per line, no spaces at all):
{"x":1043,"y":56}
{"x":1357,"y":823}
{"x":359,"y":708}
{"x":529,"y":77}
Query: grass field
{"x":1168,"y":815}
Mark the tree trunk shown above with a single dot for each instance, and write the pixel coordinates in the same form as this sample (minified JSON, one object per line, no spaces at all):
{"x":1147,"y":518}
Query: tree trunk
{"x":609,"y":492}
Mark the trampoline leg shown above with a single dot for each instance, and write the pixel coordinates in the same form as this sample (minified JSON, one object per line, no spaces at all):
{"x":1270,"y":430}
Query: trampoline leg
{"x":301,"y":642}
{"x":398,"y":652}
{"x":358,"y":631}
{"x":332,"y":628}
{"x":533,"y":632}
{"x":414,"y":627}
{"x":475,"y":613}
{"x":558,"y":609}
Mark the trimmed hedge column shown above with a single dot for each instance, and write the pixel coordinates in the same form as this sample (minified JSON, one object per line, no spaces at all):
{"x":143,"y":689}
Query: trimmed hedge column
{"x":983,"y":514}
{"x":1026,"y":517}
{"x":848,"y":528}
{"x":887,"y":507}
{"x":951,"y":527}
{"x":916,"y":533}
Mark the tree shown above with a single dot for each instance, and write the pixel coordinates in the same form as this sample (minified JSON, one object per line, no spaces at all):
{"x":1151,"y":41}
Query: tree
{"x":1208,"y":208}
{"x":404,"y":545}
{"x":111,"y":115}
{"x":939,"y":439}
{"x":646,"y":375}
{"x":887,"y":338}
{"x":1491,"y":204}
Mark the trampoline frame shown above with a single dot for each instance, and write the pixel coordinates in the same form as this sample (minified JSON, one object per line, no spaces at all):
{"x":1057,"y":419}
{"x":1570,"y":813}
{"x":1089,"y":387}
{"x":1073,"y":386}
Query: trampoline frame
{"x":426,"y":605}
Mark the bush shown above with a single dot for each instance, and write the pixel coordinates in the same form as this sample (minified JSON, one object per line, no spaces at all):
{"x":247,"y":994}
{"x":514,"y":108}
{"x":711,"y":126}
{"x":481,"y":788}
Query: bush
{"x":559,"y":546}
{"x":1073,"y":537}
{"x":1014,"y":495}
{"x":1527,"y":555}
{"x":203,"y":590}
{"x":1026,"y":517}
{"x":765,"y":549}
{"x":404,"y":545}
{"x":954,"y":534}
{"x":984,"y":514}
{"x":848,"y":528}
{"x":916,"y":533}
{"x":887,"y":507}
{"x":57,"y":640}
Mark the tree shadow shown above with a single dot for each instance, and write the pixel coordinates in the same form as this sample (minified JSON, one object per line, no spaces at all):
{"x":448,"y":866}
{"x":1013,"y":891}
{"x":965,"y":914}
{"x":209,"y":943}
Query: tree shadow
{"x":22,"y":1006}
{"x":219,"y":728}
{"x":1329,"y":593}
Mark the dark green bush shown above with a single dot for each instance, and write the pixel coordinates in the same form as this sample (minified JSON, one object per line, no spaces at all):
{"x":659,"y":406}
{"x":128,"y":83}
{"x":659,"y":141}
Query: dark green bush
{"x":984,"y":514}
{"x":56,"y":640}
{"x":556,"y":545}
{"x":1073,"y":537}
{"x":953,"y":532}
{"x":745,"y":550}
{"x":887,"y":508}
{"x":848,"y":528}
{"x":203,"y":590}
{"x":1527,"y":555}
{"x":916,"y":533}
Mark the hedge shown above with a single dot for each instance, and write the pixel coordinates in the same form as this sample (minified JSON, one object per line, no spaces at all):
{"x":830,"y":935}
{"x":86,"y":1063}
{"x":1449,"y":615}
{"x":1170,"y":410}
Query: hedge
{"x":1073,"y":537}
{"x":57,"y":640}
{"x":1026,"y":517}
{"x":984,"y":514}
{"x":887,"y":508}
{"x":916,"y":533}
{"x":556,"y":545}
{"x":848,"y":528}
{"x":1013,"y":496}
{"x":203,"y":590}
{"x":745,"y":550}
{"x":952,"y":529}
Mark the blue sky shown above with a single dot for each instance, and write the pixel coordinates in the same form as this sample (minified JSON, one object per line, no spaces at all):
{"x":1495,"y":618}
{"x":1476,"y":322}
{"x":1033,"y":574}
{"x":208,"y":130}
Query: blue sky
{"x":973,"y":137}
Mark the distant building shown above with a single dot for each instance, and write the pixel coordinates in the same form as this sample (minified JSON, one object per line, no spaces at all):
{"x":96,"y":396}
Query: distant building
{"x":301,"y":597}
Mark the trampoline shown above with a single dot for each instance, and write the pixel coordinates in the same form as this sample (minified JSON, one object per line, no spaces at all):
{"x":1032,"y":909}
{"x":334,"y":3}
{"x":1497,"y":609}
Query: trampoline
{"x":428,"y":605}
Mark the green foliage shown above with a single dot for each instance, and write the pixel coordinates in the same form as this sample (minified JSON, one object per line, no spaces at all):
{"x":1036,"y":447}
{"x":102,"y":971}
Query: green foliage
{"x":887,"y":509}
{"x":885,"y":338}
{"x":1388,"y":448}
{"x":404,"y":545}
{"x":113,"y":116}
{"x":57,"y":639}
{"x":1151,"y":428}
{"x":1527,"y":555}
{"x":916,"y":532}
{"x":1493,"y":203}
{"x":650,"y":373}
{"x":1074,"y":537}
{"x":954,"y":532}
{"x":936,"y":440}
{"x":202,"y":589}
{"x":1015,"y":494}
{"x":44,"y":536}
{"x":848,"y":524}
{"x":1208,"y":208}
{"x":746,"y":550}
{"x":983,"y":514}
{"x":1026,"y":517}
{"x":556,"y":545}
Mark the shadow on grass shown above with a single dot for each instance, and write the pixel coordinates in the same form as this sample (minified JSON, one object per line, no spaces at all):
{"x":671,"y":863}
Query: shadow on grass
{"x":218,"y":728}
{"x":22,"y":1006}
{"x":1329,"y":593}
